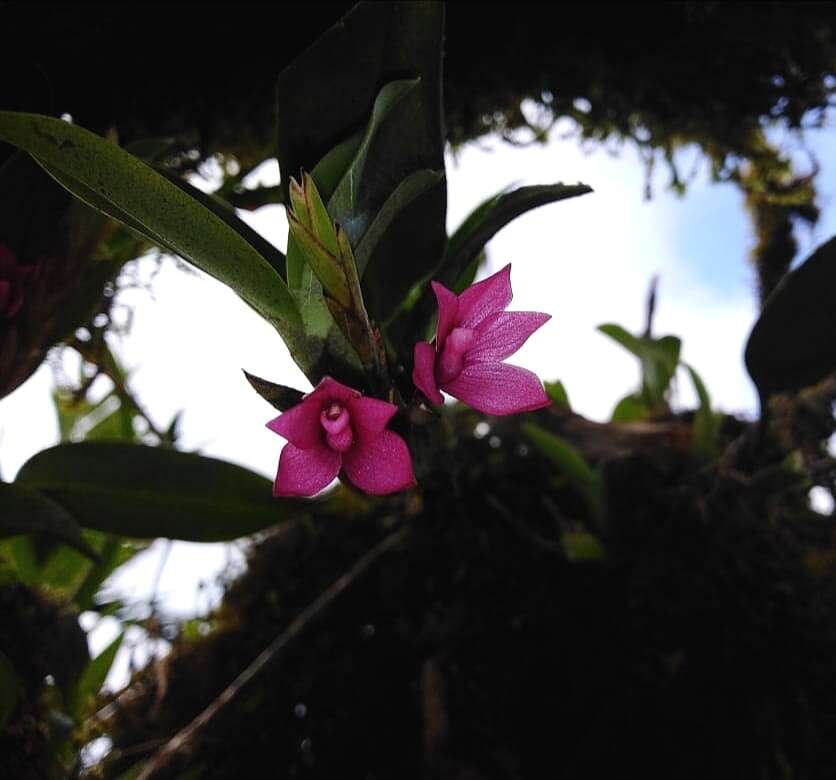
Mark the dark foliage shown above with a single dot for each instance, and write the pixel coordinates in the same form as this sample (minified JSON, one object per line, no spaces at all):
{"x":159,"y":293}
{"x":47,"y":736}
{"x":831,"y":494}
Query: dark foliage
{"x":701,"y":647}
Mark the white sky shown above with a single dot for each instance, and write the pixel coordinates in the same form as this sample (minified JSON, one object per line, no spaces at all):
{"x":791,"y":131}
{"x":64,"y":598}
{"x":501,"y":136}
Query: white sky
{"x":586,"y":261}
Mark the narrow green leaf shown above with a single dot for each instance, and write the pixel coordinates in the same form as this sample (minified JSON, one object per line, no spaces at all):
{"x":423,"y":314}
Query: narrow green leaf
{"x":147,"y":492}
{"x":326,"y":175}
{"x":84,"y":693}
{"x":412,"y":187}
{"x":123,"y":187}
{"x":705,"y":428}
{"x":491,"y":216}
{"x":320,"y":222}
{"x":278,"y":396}
{"x":25,"y":510}
{"x":570,"y":462}
{"x":9,"y":686}
{"x":352,"y":202}
{"x":558,"y":395}
{"x":791,"y":345}
{"x":320,"y":259}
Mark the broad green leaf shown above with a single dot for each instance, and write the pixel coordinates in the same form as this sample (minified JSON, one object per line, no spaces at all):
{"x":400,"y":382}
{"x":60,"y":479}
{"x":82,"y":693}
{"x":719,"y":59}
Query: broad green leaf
{"x":278,"y":396}
{"x":9,"y":686}
{"x":629,"y":409}
{"x":321,"y":101}
{"x":583,"y":478}
{"x":123,"y":187}
{"x":147,"y":492}
{"x":329,"y":91}
{"x":659,"y":359}
{"x":25,"y":510}
{"x":224,"y":211}
{"x":92,"y":679}
{"x":151,"y":150}
{"x":116,"y":426}
{"x":627,"y":340}
{"x":361,"y":192}
{"x":558,"y":395}
{"x":792,"y":345}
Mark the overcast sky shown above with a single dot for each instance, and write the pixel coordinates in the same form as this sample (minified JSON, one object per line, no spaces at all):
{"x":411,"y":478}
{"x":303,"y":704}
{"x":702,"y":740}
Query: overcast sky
{"x":585,"y":261}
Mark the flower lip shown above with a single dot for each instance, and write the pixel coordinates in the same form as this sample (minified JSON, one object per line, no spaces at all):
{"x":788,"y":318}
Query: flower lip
{"x":451,"y":360}
{"x":334,"y":418}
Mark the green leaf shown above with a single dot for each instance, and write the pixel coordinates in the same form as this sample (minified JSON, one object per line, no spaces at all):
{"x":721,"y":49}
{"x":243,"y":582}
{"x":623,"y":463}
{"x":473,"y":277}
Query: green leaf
{"x":457,"y":267}
{"x":278,"y":396}
{"x":223,"y":210}
{"x":630,"y":409}
{"x":148,"y":492}
{"x":659,"y":359}
{"x":627,"y":340}
{"x":558,"y":395}
{"x":326,"y":175}
{"x":9,"y":687}
{"x":113,"y":553}
{"x":328,"y":253}
{"x":25,"y":510}
{"x":329,"y":91}
{"x":84,"y":693}
{"x":491,"y":216}
{"x":583,"y":478}
{"x":151,"y":150}
{"x":705,"y":428}
{"x":123,"y":187}
{"x":791,"y":345}
{"x":582,"y":547}
{"x":321,"y":101}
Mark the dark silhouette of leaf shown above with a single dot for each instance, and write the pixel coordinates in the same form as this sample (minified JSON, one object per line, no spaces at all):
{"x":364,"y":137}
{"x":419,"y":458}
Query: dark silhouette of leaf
{"x":792,"y":345}
{"x":148,"y":492}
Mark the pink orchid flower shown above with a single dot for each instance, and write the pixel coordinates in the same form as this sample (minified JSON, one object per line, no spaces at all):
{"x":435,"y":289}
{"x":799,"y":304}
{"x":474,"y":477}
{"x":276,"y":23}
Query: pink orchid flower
{"x":12,"y":276}
{"x":474,"y":335}
{"x":335,"y":427}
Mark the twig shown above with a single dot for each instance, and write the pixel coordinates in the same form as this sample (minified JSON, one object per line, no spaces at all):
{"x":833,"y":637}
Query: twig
{"x":185,"y":741}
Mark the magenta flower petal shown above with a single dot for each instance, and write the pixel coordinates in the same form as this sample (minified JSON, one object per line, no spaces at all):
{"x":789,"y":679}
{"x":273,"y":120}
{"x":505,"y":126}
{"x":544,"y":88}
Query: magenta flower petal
{"x":487,"y":297}
{"x":499,"y":389}
{"x":448,"y":313}
{"x":369,"y":416}
{"x":305,"y":472}
{"x":501,"y":335}
{"x":5,"y":294}
{"x":423,"y":372}
{"x":8,"y":262}
{"x":330,"y":389}
{"x":381,"y":465}
{"x":300,"y":424}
